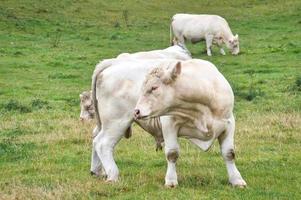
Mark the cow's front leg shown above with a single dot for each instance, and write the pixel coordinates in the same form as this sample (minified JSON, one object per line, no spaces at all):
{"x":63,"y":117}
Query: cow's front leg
{"x":222,"y":51}
{"x":209,"y":39}
{"x":226,"y":141}
{"x":170,"y":133}
{"x":219,"y":42}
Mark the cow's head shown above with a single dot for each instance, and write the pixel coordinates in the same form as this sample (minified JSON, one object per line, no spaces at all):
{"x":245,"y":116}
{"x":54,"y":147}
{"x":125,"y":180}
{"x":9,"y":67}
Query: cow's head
{"x":233,"y":45}
{"x":158,"y":92}
{"x":86,"y":106}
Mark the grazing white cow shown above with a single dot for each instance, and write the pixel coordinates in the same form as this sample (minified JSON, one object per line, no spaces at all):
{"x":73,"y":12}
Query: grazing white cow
{"x":212,"y":28}
{"x":197,"y":96}
{"x":87,"y":110}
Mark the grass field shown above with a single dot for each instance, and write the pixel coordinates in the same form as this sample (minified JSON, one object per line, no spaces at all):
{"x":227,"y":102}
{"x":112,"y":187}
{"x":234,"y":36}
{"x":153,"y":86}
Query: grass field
{"x":48,"y":50}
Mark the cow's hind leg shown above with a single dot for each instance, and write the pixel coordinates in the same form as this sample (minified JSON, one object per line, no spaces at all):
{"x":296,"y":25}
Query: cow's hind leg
{"x":226,"y":141}
{"x":96,"y":165}
{"x":171,"y":151}
{"x":104,"y":144}
{"x":178,"y":39}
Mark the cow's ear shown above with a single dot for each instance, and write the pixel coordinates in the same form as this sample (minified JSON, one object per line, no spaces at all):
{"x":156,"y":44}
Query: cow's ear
{"x":236,"y":36}
{"x":80,"y":96}
{"x":176,"y":70}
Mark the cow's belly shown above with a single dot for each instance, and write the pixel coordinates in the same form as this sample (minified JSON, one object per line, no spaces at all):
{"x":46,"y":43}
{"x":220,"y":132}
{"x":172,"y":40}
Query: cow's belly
{"x":194,"y":35}
{"x":196,"y":40}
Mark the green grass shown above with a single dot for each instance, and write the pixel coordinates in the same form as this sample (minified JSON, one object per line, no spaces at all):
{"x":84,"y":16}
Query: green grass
{"x":48,"y":50}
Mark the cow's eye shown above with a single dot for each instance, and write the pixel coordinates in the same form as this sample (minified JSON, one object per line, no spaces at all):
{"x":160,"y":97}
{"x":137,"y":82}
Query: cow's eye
{"x":154,"y":88}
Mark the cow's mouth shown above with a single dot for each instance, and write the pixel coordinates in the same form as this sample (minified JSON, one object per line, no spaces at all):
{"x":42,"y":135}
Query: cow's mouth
{"x":143,"y":115}
{"x":140,"y":117}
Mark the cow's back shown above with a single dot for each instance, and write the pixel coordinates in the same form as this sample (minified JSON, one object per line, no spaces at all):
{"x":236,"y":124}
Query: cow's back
{"x":194,"y":26}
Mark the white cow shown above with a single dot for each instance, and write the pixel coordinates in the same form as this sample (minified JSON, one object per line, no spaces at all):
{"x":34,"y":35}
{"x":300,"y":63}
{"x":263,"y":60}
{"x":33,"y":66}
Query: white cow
{"x":117,"y":91}
{"x":197,"y":96}
{"x":87,"y":110}
{"x":212,"y":28}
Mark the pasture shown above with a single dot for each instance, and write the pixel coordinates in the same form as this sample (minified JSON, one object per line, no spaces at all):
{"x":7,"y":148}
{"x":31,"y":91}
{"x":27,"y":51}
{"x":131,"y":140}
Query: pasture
{"x":48,"y":51}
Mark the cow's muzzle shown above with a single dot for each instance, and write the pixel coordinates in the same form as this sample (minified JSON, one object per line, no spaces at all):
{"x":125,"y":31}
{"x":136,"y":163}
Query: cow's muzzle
{"x":138,"y":115}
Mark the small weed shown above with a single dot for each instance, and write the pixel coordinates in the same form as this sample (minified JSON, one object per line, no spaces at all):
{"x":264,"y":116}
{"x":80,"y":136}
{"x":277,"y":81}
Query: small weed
{"x":274,"y":49}
{"x":125,"y":15}
{"x":298,"y":82}
{"x":253,"y":92}
{"x":56,"y":38}
{"x":55,"y":64}
{"x":72,"y":101}
{"x":39,"y":104}
{"x":42,"y":10}
{"x":18,"y":53}
{"x":62,"y":76}
{"x":116,"y":24}
{"x":296,"y":85}
{"x":115,"y":36}
{"x":296,"y":51}
{"x":14,"y":105}
{"x":12,"y":151}
{"x":13,"y":133}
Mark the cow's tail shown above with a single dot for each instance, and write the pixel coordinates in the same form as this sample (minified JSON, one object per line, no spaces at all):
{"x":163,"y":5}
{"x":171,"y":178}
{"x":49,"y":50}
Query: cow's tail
{"x":99,"y":68}
{"x":171,"y":33}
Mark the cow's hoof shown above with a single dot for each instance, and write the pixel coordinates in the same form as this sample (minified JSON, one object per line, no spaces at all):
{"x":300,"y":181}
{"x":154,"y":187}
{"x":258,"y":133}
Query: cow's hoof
{"x":94,"y":173}
{"x":171,"y":184}
{"x":110,"y":181}
{"x":239,"y":182}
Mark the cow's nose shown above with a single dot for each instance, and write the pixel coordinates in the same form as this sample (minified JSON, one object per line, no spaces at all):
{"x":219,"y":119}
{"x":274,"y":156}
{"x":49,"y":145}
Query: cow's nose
{"x":136,"y":113}
{"x":81,"y":119}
